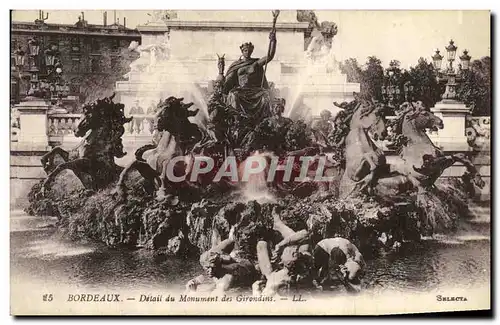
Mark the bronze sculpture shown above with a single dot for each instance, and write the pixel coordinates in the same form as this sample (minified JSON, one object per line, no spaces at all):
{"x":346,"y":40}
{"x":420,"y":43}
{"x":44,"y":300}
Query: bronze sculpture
{"x":246,"y":85}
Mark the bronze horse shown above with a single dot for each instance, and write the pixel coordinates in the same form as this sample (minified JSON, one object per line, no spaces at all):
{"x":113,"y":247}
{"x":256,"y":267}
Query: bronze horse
{"x":423,"y":161}
{"x":364,"y":161}
{"x":102,"y":126}
{"x":178,"y":136}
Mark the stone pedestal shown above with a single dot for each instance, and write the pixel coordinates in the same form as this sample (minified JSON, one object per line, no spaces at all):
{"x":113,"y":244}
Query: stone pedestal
{"x":195,"y":39}
{"x":33,"y":126}
{"x":57,"y":110}
{"x":312,"y":91}
{"x":452,"y":137}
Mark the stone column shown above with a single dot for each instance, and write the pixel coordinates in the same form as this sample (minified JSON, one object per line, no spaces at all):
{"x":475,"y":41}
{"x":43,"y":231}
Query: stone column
{"x":33,"y":126}
{"x":452,"y":137}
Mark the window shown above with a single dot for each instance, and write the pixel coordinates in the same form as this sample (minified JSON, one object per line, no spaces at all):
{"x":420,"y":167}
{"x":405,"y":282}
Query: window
{"x":75,"y":65}
{"x":14,"y":91}
{"x":75,"y":45}
{"x":94,"y":64}
{"x":114,"y":63}
{"x":95,"y":45}
{"x":52,"y":40}
{"x":115,"y":44}
{"x":44,"y":41}
{"x":74,"y":88}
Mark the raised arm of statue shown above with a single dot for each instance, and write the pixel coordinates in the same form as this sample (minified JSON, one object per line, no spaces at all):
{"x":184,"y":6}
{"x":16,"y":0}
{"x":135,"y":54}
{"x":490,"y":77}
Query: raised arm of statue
{"x":272,"y":50}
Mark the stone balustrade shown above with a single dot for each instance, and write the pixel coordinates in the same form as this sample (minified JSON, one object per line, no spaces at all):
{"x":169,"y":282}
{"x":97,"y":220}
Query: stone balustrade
{"x":141,"y":125}
{"x":62,"y":124}
{"x":34,"y":132}
{"x":61,"y":127}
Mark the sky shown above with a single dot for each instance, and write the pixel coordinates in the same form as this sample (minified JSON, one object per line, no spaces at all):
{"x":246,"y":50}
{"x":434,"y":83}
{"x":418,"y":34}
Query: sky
{"x":404,"y":35}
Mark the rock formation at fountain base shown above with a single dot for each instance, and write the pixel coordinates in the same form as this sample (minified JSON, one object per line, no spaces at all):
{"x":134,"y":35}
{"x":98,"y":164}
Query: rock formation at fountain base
{"x":187,"y":228}
{"x":147,"y":209}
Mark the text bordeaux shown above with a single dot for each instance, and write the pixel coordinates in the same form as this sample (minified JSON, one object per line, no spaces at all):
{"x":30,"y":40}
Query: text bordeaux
{"x":94,"y":297}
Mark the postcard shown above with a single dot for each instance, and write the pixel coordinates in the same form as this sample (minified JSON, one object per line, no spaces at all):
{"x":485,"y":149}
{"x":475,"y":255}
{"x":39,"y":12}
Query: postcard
{"x":271,"y":162}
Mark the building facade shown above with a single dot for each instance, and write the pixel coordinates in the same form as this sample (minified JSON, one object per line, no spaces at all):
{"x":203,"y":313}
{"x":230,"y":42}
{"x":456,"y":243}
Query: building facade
{"x":89,"y":58}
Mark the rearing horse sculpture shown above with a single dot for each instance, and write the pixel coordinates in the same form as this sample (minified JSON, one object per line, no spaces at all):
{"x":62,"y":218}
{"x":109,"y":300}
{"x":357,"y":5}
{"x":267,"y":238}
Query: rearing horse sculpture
{"x":102,"y":126}
{"x":423,"y":161}
{"x":178,"y":136}
{"x":363,"y":159}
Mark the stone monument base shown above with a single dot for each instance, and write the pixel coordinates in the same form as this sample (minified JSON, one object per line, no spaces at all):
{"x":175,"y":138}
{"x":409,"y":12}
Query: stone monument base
{"x":452,"y":137}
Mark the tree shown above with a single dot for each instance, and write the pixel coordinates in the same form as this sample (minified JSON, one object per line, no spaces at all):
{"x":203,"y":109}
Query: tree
{"x":102,"y":83}
{"x":425,"y":85}
{"x":352,"y":70}
{"x":475,"y":90}
{"x":372,"y":78}
{"x":394,"y":66}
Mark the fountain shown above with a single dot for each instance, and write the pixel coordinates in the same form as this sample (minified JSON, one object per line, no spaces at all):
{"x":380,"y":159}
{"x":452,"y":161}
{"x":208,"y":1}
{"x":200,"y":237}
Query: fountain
{"x":308,"y":80}
{"x":255,"y":186}
{"x":157,"y":73}
{"x":318,"y":71}
{"x":150,"y":209}
{"x":193,"y":217}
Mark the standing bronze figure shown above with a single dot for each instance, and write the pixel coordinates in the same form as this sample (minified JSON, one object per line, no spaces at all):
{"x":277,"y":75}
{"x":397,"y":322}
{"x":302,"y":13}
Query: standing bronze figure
{"x":246,"y":85}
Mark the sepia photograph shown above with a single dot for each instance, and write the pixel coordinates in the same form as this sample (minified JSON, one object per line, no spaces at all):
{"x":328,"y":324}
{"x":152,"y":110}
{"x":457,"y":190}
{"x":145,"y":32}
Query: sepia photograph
{"x":250,"y":162}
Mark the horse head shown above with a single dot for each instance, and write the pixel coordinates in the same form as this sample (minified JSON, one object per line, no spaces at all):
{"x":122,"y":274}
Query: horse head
{"x":88,"y":121}
{"x":173,"y":114}
{"x":370,"y":116}
{"x":105,"y":119}
{"x":420,"y":117}
{"x":116,"y":114}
